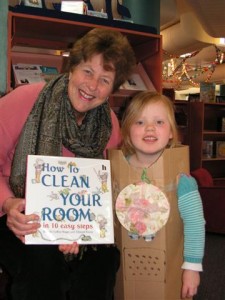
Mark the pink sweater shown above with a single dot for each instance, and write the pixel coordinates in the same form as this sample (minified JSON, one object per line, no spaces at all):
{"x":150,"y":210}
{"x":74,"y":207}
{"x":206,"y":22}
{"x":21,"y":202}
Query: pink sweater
{"x":14,"y":110}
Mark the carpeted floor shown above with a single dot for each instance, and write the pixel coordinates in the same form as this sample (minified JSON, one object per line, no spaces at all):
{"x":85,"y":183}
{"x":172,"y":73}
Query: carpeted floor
{"x":212,"y":285}
{"x":212,"y":279}
{"x":3,"y":283}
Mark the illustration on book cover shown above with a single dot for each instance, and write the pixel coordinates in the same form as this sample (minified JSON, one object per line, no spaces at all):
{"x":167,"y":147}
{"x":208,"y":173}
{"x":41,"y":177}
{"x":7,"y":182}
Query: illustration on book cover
{"x":73,"y":199}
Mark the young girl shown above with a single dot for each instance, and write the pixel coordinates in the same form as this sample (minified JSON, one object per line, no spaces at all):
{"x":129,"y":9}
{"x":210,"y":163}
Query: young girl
{"x":148,"y":127}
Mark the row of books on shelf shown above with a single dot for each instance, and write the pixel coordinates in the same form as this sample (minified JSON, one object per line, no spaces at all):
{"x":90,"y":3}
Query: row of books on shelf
{"x":32,"y":73}
{"x":213,"y":149}
{"x":196,"y":98}
{"x":207,"y":94}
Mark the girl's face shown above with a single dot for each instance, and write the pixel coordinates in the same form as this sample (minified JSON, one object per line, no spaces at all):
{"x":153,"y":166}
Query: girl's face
{"x":89,"y":84}
{"x":151,"y":131}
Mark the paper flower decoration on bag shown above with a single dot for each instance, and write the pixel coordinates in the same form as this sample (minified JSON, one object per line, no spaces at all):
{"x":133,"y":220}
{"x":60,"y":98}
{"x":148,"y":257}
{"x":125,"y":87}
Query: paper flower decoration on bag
{"x":142,"y":208}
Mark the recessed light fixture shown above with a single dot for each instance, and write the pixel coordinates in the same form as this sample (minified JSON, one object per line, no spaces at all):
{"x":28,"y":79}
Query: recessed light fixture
{"x":222,"y":41}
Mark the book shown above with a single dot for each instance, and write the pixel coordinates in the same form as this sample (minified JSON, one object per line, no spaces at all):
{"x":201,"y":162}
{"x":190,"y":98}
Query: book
{"x":31,"y":73}
{"x":73,"y":199}
{"x":207,"y":149}
{"x":34,"y":3}
{"x":77,"y":7}
{"x":207,"y":92}
{"x":27,"y":73}
{"x":48,"y":73}
{"x":138,"y":81}
{"x":220,"y":149}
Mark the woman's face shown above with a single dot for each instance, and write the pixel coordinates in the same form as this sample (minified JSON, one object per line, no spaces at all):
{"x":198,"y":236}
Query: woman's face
{"x":89,"y":84}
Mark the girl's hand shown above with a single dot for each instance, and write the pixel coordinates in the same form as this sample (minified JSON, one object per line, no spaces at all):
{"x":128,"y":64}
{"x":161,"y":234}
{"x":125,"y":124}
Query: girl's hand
{"x":17,"y":222}
{"x":69,"y":249}
{"x":191,"y":281}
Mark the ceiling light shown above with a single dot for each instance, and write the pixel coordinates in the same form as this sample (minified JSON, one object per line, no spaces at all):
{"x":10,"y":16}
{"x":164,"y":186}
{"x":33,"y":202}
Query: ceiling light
{"x":222,"y":41}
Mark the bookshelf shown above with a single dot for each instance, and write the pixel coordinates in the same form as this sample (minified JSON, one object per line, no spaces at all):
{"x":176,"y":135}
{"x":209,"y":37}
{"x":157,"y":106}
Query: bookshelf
{"x":42,"y":36}
{"x":205,"y":125}
{"x":182,"y":116}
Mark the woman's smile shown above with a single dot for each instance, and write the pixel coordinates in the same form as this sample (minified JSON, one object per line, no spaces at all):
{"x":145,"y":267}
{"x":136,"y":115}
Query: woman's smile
{"x":85,"y":96}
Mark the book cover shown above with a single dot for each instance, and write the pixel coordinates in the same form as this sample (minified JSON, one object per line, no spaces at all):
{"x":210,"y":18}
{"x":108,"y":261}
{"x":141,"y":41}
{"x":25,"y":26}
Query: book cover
{"x":207,"y":92}
{"x":77,"y":7}
{"x":48,"y":73}
{"x":34,"y":3}
{"x":138,"y":81}
{"x":220,"y":149}
{"x":27,"y":73}
{"x":73,"y":198}
{"x":207,"y":149}
{"x":31,"y":73}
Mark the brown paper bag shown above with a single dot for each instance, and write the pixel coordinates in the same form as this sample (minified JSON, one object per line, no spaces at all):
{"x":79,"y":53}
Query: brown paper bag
{"x":151,"y":270}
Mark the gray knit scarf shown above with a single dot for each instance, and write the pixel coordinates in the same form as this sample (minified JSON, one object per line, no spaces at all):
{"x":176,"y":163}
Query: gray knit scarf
{"x":52,"y":124}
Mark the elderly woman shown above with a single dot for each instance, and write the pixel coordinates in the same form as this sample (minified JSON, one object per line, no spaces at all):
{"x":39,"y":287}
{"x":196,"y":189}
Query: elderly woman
{"x":69,"y":116}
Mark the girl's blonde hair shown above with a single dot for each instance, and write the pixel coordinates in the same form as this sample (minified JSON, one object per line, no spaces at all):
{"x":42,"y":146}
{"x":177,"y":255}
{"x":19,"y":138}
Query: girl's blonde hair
{"x":134,"y":109}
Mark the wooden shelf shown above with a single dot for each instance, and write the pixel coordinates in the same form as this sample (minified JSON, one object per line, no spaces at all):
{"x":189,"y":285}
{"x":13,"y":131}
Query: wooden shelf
{"x":204,"y":119}
{"x":182,"y":119}
{"x":205,"y":132}
{"x":42,"y":29}
{"x":212,"y":159}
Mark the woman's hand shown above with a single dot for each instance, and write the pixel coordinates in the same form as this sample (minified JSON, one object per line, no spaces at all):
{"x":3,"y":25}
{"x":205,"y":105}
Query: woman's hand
{"x":69,"y":249}
{"x":21,"y":224}
{"x":17,"y":222}
{"x":191,"y":281}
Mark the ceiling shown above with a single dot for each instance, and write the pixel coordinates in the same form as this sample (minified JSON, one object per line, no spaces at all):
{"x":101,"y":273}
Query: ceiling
{"x":191,"y":24}
{"x":194,"y":25}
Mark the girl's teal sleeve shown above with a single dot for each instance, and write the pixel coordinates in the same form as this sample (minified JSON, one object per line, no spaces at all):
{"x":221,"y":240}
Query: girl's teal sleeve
{"x":191,"y":212}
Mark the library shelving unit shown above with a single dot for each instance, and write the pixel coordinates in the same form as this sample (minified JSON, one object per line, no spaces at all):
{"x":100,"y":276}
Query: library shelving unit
{"x":181,"y":109}
{"x":182,"y":116}
{"x":41,"y":36}
{"x":205,"y":129}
